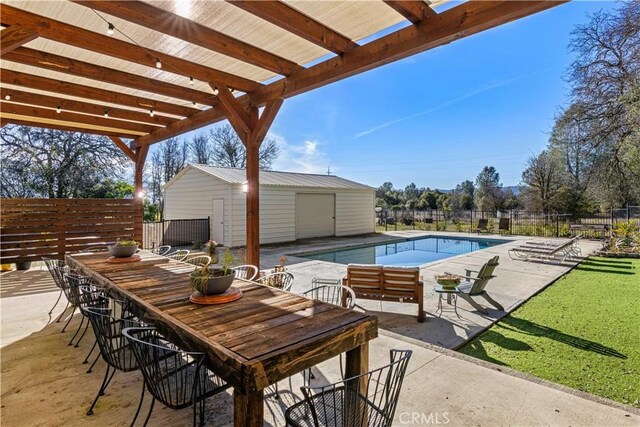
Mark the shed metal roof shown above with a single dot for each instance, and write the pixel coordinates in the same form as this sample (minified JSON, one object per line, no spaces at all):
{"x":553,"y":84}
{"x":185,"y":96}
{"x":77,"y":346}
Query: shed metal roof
{"x":277,"y":178}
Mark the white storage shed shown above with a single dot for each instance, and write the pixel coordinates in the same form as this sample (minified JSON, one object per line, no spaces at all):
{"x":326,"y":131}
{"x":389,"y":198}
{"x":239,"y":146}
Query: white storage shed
{"x":292,"y":205}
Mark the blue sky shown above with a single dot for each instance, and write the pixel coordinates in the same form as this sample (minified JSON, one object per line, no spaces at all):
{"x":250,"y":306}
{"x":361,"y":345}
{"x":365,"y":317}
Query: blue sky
{"x":437,"y":118}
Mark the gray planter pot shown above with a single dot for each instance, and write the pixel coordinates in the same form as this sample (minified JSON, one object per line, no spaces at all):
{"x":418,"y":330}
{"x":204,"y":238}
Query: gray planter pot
{"x":122,"y":251}
{"x":214,"y":285}
{"x":25,"y":265}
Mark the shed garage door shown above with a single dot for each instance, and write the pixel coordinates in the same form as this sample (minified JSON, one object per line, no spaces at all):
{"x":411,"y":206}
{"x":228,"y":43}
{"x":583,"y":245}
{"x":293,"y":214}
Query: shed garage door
{"x":315,"y":215}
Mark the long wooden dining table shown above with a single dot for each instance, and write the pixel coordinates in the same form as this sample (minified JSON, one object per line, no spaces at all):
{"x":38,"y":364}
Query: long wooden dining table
{"x":264,"y":337}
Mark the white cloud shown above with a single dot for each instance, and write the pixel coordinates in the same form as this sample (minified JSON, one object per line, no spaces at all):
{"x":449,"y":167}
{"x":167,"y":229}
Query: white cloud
{"x":306,"y":157}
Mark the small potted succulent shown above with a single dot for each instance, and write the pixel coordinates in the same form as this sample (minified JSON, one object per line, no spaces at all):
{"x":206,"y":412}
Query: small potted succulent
{"x":211,"y":249}
{"x":448,"y":280}
{"x":123,"y":248}
{"x":212,"y":281}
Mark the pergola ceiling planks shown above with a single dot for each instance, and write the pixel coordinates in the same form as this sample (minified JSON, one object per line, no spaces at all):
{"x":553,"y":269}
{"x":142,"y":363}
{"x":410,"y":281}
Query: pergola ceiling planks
{"x":67,"y":126}
{"x":41,"y":100}
{"x":414,"y":11}
{"x":32,"y":81}
{"x":182,"y":28}
{"x":15,"y":37}
{"x":61,"y":64}
{"x":297,"y":23}
{"x":79,"y":37}
{"x":106,"y":122}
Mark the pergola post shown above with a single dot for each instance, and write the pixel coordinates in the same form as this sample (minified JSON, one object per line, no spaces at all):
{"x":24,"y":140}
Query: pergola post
{"x":141,"y":157}
{"x":251,"y":129}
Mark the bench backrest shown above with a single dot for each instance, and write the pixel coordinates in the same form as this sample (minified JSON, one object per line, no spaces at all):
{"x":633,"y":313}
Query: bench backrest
{"x":376,"y":280}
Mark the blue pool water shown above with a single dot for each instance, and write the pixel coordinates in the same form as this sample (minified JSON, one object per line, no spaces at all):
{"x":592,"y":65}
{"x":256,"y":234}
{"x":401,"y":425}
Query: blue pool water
{"x":408,"y":253}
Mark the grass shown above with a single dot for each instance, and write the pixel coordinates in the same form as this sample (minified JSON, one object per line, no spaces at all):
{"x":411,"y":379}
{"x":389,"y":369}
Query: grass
{"x":582,"y":332}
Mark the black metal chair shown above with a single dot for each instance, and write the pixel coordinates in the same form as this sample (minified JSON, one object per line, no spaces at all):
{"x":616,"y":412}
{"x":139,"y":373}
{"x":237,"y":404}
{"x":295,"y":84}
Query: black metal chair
{"x":74,"y":282}
{"x":173,"y":376}
{"x":339,"y":295}
{"x":55,"y":266}
{"x":365,"y":400}
{"x":108,"y":321}
{"x":95,"y":296}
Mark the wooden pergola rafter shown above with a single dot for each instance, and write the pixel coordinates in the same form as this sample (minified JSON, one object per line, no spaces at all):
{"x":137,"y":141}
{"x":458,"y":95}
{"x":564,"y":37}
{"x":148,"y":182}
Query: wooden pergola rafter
{"x":261,"y":55}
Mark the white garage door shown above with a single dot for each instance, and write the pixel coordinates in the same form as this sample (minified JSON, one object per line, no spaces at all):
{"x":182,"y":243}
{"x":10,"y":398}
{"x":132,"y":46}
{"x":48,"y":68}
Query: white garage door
{"x":315,"y":215}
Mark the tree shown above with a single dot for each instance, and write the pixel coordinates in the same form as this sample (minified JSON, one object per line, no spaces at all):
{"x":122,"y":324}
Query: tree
{"x":462,"y":196}
{"x":488,"y":193}
{"x":56,"y":164}
{"x":200,"y":149}
{"x":543,"y":182}
{"x":227,"y":150}
{"x":166,"y":161}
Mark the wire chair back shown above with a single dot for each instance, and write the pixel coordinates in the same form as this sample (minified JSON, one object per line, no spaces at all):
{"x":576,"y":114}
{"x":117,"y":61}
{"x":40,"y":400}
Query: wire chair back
{"x":342,"y":296}
{"x":56,"y":268}
{"x":199,"y":260}
{"x":179,"y":255}
{"x":73,"y":283}
{"x":280,"y":280}
{"x":246,"y":271}
{"x":161,"y":250}
{"x":365,"y":400}
{"x":108,"y":319}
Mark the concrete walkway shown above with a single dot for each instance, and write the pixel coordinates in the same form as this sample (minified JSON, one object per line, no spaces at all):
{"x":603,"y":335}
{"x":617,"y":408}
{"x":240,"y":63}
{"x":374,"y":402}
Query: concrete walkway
{"x":41,"y":373}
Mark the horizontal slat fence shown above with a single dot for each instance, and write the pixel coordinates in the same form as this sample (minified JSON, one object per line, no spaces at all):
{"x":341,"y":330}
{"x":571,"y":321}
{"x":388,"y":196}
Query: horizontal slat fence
{"x":33,"y":228}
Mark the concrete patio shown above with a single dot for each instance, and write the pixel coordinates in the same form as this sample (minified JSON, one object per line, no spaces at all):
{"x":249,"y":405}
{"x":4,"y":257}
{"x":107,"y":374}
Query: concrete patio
{"x":45,"y":384}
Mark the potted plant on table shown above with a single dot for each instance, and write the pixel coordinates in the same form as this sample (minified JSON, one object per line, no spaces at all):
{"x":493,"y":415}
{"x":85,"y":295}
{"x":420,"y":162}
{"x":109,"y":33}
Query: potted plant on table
{"x":211,"y":249}
{"x":123,"y":248}
{"x":448,"y":280}
{"x":213,"y":281}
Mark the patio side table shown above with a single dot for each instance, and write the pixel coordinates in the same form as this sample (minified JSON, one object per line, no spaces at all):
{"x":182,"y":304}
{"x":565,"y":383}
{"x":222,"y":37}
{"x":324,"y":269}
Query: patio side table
{"x":451,"y":295}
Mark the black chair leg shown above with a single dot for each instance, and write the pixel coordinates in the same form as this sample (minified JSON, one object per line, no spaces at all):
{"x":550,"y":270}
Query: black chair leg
{"x":86,"y":326}
{"x":135,"y":417}
{"x":108,"y":382}
{"x":77,"y":331}
{"x":146,"y":420}
{"x":86,"y":359}
{"x":100,"y":392}
{"x":57,"y":301}
{"x":69,"y":321}
{"x":93,"y":364}
{"x":62,"y":314}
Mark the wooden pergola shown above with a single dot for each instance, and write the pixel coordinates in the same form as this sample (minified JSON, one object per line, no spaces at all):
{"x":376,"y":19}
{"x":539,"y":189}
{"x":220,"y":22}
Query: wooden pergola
{"x":148,"y":71}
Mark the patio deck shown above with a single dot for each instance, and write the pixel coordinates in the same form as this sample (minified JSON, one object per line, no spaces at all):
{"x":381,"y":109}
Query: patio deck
{"x":40,"y":372}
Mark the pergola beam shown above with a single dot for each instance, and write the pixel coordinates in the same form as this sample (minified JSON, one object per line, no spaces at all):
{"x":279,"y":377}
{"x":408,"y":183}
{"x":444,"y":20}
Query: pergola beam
{"x":15,"y":36}
{"x":79,"y":37}
{"x":61,"y":64}
{"x":239,"y":119}
{"x":40,"y":100}
{"x":125,"y":148}
{"x":413,"y":10}
{"x":67,"y":116}
{"x":456,"y":23}
{"x":69,"y":127}
{"x":26,"y":80}
{"x":298,"y":23}
{"x":182,"y":28}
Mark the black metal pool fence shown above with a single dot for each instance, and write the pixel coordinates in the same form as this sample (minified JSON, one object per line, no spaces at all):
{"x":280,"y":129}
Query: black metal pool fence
{"x":175,"y":232}
{"x":553,"y":224}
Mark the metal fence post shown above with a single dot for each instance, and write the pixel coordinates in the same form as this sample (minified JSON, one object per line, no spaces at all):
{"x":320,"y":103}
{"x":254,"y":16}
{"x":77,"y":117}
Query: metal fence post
{"x":208,"y":228}
{"x":557,"y":224}
{"x":628,"y":213}
{"x":395,"y":220}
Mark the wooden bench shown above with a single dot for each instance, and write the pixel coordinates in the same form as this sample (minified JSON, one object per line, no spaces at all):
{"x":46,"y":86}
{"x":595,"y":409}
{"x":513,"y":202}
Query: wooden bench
{"x":601,"y":228}
{"x":377,"y":282}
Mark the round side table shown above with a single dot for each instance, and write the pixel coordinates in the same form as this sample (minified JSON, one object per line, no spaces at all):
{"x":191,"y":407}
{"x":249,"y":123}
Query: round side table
{"x":451,"y":295}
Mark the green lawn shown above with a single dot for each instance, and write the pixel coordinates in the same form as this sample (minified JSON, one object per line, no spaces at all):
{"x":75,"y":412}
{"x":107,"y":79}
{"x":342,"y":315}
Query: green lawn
{"x":582,"y":332}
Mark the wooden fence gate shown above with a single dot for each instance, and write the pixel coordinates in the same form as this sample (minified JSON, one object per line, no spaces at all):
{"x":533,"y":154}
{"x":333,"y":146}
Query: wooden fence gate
{"x":32,"y":228}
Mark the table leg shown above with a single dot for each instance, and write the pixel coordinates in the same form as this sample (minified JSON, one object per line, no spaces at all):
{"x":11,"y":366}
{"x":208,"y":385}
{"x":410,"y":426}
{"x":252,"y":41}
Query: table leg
{"x":449,"y":298}
{"x":357,"y":363}
{"x":248,"y":408}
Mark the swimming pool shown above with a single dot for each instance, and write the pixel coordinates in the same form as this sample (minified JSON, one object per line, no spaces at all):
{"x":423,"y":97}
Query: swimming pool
{"x":407,"y":253}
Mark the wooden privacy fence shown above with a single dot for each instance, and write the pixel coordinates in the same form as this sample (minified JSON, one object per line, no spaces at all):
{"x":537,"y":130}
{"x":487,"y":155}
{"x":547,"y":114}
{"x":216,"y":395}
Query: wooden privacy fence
{"x":33,"y":228}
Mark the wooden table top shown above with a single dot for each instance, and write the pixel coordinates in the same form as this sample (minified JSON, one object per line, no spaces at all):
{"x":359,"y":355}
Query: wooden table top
{"x":265,"y":336}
